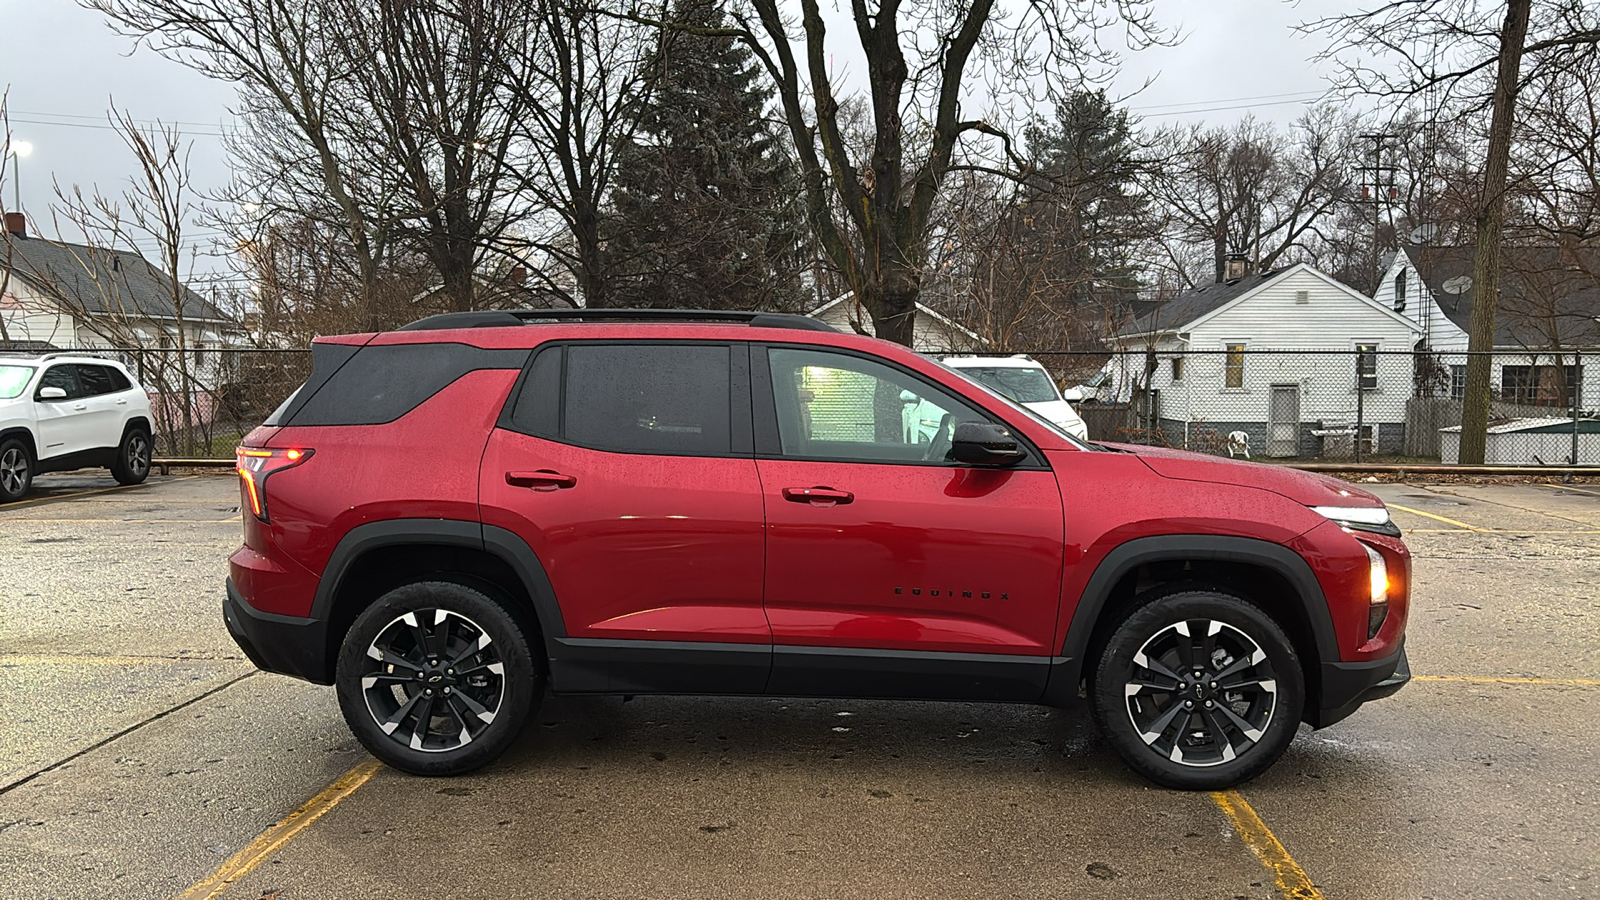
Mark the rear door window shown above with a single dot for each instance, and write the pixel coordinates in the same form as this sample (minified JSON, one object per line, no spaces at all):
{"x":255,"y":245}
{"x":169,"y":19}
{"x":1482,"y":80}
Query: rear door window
{"x":665,"y":399}
{"x":96,"y":380}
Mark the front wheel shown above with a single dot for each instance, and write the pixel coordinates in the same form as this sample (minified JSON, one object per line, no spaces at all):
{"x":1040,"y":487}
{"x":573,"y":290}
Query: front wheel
{"x":1198,"y":690}
{"x":436,"y":678}
{"x":132,"y":465}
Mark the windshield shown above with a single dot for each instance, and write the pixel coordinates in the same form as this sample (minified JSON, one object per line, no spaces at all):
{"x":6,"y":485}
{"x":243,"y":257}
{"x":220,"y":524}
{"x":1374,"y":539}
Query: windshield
{"x":1029,"y":385}
{"x":13,"y":379}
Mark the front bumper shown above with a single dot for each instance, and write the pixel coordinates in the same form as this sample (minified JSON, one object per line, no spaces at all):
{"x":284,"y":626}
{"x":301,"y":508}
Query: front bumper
{"x":288,"y":645}
{"x":1345,"y":686}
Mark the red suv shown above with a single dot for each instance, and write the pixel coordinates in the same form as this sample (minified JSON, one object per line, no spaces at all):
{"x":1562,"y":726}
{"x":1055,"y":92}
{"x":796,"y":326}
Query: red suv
{"x":448,"y":520}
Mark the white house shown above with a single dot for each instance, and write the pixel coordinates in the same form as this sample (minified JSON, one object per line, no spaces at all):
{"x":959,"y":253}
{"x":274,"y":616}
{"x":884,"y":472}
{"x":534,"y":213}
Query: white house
{"x":932,"y":333}
{"x":1291,"y":357}
{"x":1549,"y":307}
{"x":75,"y":297}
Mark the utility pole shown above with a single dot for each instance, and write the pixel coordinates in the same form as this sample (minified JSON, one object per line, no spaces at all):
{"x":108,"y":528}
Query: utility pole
{"x":1377,"y":185}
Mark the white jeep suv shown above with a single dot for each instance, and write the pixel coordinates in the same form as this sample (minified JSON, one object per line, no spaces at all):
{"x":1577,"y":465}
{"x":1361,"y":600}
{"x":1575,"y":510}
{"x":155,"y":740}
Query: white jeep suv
{"x":1025,"y":381}
{"x":61,"y":411}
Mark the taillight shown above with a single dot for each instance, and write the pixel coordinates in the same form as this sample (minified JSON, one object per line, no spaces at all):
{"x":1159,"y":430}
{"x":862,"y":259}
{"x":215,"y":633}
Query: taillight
{"x":256,"y":464}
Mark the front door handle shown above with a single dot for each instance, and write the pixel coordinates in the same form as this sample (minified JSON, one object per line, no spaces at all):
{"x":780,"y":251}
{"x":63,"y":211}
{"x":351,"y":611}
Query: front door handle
{"x":818,"y":496}
{"x":542,"y":480}
{"x":81,"y":406}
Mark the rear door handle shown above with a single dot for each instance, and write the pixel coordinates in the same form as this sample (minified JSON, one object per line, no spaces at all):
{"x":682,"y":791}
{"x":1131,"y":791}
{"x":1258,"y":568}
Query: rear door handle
{"x":819,"y":496}
{"x":542,"y":480}
{"x":123,"y":402}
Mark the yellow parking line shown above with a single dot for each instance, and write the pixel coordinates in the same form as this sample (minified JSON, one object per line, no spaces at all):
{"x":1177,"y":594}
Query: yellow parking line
{"x":1493,"y":679}
{"x":1432,"y":516}
{"x":271,"y":840}
{"x":1569,"y":487}
{"x":1291,"y":880}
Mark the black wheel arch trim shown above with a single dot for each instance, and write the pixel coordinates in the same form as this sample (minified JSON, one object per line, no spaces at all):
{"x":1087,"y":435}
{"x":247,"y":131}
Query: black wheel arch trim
{"x":499,"y":542}
{"x":1127,"y":557}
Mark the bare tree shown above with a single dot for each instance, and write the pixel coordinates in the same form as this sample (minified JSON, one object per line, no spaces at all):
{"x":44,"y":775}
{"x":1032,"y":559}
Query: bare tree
{"x":1463,"y":58}
{"x":920,"y":59}
{"x":1251,"y":190}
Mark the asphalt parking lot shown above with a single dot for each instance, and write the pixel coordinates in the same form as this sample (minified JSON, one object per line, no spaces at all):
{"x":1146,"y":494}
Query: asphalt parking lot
{"x":140,"y":757}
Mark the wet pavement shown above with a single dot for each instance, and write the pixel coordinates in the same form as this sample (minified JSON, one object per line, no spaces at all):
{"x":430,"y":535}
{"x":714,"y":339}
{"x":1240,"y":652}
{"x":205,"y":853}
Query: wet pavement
{"x":139,"y":753}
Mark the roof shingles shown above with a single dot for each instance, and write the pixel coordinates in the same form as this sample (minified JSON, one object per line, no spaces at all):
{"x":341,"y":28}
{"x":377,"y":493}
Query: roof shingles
{"x":98,"y":282}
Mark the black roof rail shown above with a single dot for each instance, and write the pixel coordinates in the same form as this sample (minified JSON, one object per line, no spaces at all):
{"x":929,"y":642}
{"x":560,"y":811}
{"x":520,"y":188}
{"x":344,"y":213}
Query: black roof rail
{"x":544,"y":316}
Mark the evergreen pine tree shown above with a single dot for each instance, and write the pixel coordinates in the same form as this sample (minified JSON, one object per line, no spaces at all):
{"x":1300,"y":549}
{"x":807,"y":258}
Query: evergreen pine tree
{"x":706,"y":204}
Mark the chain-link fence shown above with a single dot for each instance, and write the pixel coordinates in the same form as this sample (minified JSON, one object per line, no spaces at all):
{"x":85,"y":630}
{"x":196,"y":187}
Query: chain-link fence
{"x":1348,"y":405}
{"x":205,"y":400}
{"x":1359,"y":405}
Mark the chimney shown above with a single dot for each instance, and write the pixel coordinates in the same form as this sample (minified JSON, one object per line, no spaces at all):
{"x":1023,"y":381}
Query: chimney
{"x":1238,"y":266}
{"x":17,"y":224}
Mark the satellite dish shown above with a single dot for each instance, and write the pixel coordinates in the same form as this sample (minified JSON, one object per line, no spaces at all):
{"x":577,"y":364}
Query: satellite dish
{"x":1424,"y":234}
{"x":1458,"y":285}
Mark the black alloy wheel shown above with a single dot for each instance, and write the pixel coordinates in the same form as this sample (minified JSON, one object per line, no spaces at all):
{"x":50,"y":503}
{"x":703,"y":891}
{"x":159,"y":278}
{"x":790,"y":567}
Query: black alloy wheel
{"x":1199,"y":690}
{"x":132,"y":464}
{"x":16,"y":470}
{"x":436,"y":678}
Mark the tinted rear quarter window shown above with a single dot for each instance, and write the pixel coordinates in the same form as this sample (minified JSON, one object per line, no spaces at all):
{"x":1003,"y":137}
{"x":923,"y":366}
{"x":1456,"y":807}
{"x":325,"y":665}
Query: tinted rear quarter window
{"x":119,"y":381}
{"x":649,"y":398}
{"x":380,"y":384}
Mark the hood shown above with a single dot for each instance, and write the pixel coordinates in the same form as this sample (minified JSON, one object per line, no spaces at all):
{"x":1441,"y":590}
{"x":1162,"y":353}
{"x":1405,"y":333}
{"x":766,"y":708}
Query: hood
{"x":1054,"y":410}
{"x":1309,"y":488}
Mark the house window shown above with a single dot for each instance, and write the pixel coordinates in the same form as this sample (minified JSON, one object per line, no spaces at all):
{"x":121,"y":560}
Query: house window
{"x":1539,"y":385}
{"x":1233,"y":367}
{"x":1400,"y":291}
{"x":1367,"y":366}
{"x":1458,"y":382}
{"x":1177,"y":369}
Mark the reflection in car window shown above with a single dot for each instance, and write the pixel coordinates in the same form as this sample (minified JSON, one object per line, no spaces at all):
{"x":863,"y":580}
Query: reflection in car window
{"x":1022,"y":385}
{"x":1019,"y":408}
{"x":14,"y":380}
{"x":836,"y":406}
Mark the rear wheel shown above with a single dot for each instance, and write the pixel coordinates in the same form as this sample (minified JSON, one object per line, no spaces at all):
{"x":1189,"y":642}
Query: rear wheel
{"x":1199,"y":690}
{"x":16,"y":470}
{"x":436,"y":678}
{"x":132,"y":465}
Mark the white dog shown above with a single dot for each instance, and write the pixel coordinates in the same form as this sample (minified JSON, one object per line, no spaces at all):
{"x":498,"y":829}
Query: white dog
{"x":1239,"y":442}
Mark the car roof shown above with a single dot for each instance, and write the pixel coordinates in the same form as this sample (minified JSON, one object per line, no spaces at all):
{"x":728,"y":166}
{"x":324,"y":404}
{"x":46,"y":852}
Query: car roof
{"x":36,"y":358}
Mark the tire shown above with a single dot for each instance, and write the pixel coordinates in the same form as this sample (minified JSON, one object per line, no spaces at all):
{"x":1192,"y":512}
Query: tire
{"x":1198,"y":747}
{"x":385,"y":698}
{"x":132,"y":465}
{"x":16,"y":470}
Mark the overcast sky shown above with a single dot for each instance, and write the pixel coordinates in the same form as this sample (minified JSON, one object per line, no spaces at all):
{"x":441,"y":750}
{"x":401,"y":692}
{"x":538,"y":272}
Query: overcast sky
{"x":63,"y":67}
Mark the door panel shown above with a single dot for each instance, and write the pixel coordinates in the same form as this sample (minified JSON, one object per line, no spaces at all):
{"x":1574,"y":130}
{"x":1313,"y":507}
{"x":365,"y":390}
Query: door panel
{"x":102,"y":417}
{"x":656,"y":547}
{"x":64,"y":426}
{"x":922,"y":557}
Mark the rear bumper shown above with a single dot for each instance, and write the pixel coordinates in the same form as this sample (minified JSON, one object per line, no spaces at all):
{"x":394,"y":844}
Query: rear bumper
{"x":1345,"y":686}
{"x":288,"y":645}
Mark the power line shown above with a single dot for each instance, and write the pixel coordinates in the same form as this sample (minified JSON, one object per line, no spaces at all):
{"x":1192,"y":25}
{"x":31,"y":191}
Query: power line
{"x":108,"y":127}
{"x":1230,"y":100}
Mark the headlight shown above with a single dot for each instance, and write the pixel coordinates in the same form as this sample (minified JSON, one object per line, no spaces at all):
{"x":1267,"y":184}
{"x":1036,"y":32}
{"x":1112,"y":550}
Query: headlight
{"x":1378,"y":575}
{"x":1361,"y":518}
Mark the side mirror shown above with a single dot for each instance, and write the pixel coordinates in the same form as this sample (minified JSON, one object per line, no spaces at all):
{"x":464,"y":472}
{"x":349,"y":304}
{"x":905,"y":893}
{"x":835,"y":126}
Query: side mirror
{"x":985,"y":442}
{"x":909,"y":398}
{"x":1072,"y":395}
{"x":52,"y":393}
